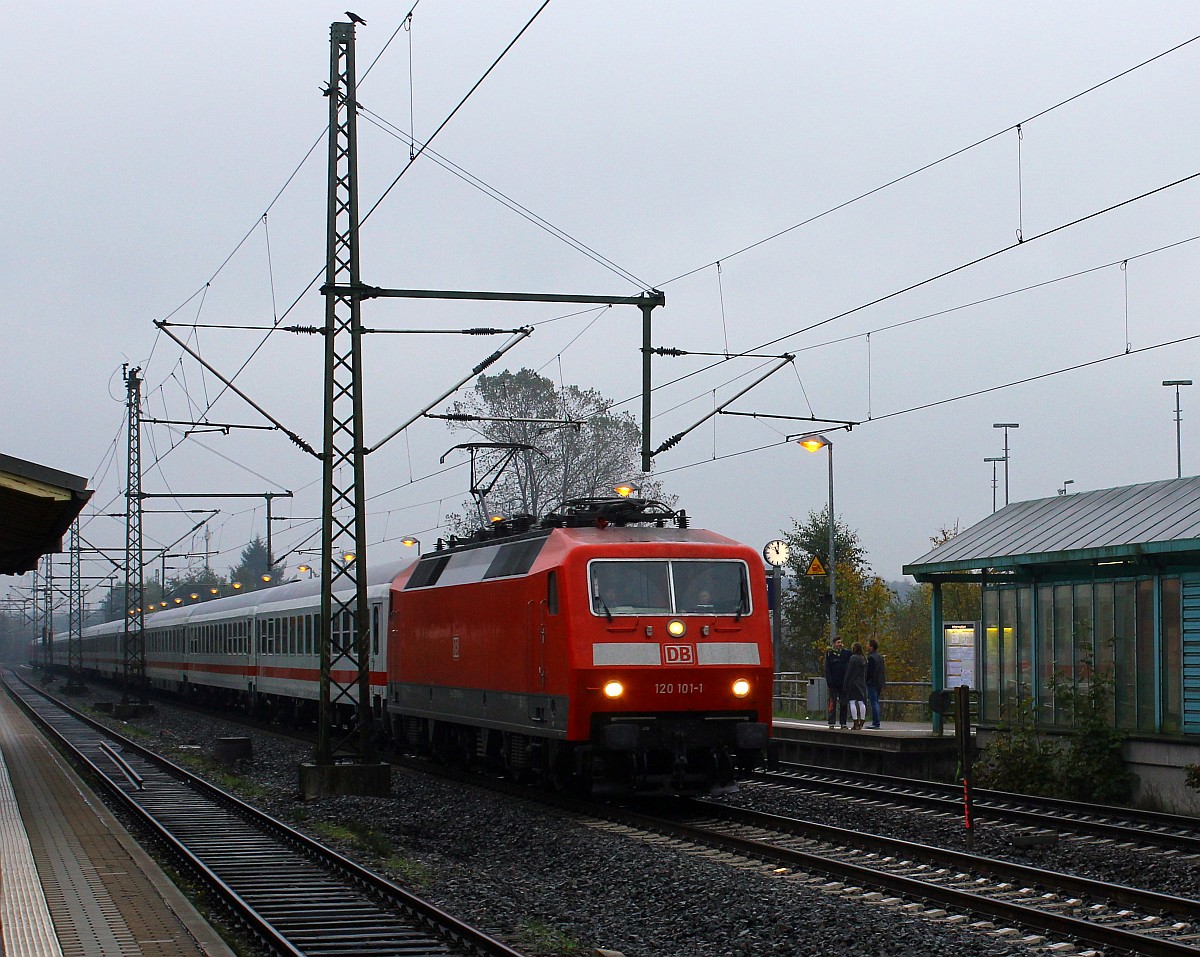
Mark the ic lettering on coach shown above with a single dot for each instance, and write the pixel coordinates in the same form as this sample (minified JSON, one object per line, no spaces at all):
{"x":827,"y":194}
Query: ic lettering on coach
{"x":679,"y":654}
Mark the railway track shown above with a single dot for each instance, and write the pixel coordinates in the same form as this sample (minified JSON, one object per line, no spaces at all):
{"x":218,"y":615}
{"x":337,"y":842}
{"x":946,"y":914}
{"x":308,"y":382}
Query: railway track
{"x":943,"y":884}
{"x":1035,"y":814}
{"x":295,"y":895}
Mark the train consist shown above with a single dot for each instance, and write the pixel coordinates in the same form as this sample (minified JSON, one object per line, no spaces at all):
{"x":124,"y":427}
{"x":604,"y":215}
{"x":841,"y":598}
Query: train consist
{"x":609,"y":646}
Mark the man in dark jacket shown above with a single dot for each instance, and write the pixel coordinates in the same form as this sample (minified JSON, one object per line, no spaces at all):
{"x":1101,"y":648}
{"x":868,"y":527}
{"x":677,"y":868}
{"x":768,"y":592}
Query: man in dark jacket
{"x":875,"y":681}
{"x":835,"y":679}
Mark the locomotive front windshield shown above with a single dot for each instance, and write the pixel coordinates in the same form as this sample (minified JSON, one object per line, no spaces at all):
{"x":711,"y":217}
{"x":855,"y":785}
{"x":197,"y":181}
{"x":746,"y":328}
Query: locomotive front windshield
{"x":669,"y":587}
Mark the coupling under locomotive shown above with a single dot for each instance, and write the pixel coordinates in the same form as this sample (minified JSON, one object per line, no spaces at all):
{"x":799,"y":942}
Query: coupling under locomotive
{"x":611,"y":647}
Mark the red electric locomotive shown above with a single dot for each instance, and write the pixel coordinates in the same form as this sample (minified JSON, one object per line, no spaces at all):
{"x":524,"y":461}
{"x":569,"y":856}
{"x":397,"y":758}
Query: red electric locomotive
{"x":612,"y":647}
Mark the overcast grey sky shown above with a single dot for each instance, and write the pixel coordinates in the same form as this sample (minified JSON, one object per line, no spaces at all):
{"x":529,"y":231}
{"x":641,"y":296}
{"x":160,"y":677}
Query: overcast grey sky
{"x":144,"y":141}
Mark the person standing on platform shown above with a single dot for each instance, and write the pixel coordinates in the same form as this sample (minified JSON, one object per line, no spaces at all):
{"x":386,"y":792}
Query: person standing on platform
{"x":835,"y":679}
{"x":876,"y":678}
{"x":855,"y":688}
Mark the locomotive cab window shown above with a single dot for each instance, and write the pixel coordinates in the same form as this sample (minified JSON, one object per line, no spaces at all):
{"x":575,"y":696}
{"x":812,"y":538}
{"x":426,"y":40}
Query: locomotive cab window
{"x":710,"y":588}
{"x":675,"y":587}
{"x":630,"y":588}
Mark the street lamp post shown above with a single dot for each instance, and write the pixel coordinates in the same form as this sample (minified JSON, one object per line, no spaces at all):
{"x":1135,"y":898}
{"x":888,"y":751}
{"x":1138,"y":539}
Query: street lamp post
{"x":814,"y":443}
{"x":1006,"y":426}
{"x":1178,"y":447}
{"x":410,"y":542}
{"x":994,"y":459}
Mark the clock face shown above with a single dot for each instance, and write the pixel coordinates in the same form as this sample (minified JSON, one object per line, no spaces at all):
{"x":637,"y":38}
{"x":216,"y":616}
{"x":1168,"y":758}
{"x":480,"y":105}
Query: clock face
{"x":777,"y":552}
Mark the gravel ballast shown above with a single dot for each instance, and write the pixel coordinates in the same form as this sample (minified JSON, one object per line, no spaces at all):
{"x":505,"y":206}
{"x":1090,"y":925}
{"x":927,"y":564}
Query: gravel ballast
{"x":548,"y":885}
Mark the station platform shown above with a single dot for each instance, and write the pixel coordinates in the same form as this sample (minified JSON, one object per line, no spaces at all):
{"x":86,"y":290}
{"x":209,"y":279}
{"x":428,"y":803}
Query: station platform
{"x":908,"y":749}
{"x":73,"y":881}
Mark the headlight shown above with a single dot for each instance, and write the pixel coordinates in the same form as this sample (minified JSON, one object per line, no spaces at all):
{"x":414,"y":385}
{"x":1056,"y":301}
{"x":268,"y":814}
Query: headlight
{"x":741,"y":687}
{"x":613,"y":689}
{"x":676,"y":628}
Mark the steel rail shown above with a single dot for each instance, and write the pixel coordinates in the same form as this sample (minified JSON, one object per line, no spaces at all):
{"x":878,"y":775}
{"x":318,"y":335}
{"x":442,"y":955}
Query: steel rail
{"x":1126,"y":824}
{"x":1153,"y":901}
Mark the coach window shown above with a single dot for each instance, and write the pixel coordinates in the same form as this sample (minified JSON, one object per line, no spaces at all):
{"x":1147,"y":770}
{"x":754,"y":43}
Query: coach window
{"x":374,"y":629}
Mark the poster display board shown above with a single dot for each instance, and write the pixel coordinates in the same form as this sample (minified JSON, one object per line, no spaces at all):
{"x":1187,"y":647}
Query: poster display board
{"x":958,"y":640}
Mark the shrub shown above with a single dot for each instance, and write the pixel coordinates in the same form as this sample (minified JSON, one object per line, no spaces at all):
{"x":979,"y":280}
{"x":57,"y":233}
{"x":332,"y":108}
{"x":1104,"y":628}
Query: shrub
{"x":1093,"y":767}
{"x":1088,"y":766}
{"x":1018,"y":758}
{"x":1192,"y":776}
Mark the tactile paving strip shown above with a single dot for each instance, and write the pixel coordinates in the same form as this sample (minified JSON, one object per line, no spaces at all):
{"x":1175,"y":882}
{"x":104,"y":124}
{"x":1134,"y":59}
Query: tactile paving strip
{"x":25,"y":925}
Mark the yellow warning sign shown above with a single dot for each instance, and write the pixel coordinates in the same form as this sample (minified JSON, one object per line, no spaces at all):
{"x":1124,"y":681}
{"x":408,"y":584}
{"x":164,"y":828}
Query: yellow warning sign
{"x":815,"y":567}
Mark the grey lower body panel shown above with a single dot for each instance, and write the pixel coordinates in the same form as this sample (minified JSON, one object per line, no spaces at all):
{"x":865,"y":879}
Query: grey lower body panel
{"x":538,"y":715}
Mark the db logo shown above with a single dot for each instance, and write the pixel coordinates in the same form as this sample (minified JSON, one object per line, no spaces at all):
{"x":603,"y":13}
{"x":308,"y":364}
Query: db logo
{"x":679,"y":654}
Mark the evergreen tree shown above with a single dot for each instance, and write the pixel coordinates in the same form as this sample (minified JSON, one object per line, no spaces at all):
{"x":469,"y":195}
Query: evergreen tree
{"x":252,"y":568}
{"x":806,"y":604}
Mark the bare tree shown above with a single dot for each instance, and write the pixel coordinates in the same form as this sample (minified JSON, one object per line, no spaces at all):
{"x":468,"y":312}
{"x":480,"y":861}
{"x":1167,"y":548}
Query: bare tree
{"x":560,"y":461}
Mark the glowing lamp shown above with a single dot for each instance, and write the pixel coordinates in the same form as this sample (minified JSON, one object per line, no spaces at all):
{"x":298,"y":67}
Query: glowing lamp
{"x":613,"y":689}
{"x":741,"y":687}
{"x":676,"y":628}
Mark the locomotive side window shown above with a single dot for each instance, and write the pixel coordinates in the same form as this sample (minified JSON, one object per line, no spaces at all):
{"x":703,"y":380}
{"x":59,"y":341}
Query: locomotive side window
{"x":630,"y":588}
{"x":427,"y":572}
{"x":515,"y":558}
{"x":552,"y":593}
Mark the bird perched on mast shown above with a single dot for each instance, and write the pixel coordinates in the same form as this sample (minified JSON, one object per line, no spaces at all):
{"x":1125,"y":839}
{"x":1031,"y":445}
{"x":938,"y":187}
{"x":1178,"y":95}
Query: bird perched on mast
{"x":354,"y":17}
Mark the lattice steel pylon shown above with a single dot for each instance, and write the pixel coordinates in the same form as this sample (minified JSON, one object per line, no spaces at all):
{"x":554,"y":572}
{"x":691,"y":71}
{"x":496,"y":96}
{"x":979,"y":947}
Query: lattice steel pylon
{"x":345,"y":663}
{"x":75,"y":616}
{"x":134,"y":645}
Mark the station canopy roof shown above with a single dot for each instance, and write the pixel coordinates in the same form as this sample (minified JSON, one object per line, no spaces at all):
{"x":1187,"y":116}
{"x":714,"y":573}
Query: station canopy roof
{"x":37,"y":506}
{"x":1133,"y":525}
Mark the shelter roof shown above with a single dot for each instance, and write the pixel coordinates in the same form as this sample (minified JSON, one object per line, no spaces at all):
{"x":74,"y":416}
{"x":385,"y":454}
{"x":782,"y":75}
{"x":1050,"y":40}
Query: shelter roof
{"x":37,"y":506}
{"x":1128,"y":523}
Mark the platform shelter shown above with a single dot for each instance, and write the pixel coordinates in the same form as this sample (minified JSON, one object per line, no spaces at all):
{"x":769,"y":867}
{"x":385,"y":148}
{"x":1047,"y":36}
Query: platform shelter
{"x":37,"y":506}
{"x":1101,"y":580}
